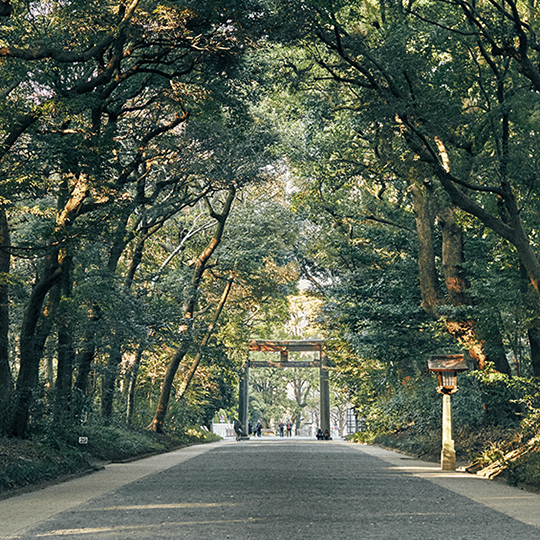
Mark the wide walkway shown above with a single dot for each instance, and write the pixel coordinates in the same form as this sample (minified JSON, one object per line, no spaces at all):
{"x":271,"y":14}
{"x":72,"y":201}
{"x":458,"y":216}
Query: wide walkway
{"x":273,"y":489}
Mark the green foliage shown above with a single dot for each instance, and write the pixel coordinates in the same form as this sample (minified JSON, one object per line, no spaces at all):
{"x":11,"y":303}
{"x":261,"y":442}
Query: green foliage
{"x":324,"y":144}
{"x":30,"y":462}
{"x":111,"y":443}
{"x":34,"y":461}
{"x":524,"y":471}
{"x":268,"y":395}
{"x":502,"y":397}
{"x":483,"y":399}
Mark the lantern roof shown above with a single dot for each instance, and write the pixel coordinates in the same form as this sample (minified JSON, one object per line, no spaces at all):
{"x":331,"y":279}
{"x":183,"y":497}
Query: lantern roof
{"x":447,"y":362}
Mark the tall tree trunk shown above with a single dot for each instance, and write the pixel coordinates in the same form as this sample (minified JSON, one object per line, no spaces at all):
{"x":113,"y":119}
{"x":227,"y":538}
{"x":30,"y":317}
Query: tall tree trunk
{"x":108,"y":378}
{"x":457,"y":285}
{"x":64,"y":370}
{"x":110,"y":372}
{"x":533,"y":330}
{"x":453,"y":259}
{"x":84,"y":364}
{"x":132,"y":385}
{"x":6,"y":378}
{"x":429,"y":280}
{"x":534,"y":343}
{"x":34,"y":335}
{"x":135,"y":262}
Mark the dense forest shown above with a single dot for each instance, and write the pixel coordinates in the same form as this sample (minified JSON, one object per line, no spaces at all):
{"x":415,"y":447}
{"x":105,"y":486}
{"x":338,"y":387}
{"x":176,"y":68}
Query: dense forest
{"x":170,"y":172}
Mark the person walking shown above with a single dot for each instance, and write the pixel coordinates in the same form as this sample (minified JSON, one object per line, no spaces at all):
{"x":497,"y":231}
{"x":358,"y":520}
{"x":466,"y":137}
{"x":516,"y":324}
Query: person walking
{"x":289,"y":428}
{"x":238,"y":429}
{"x":281,"y":429}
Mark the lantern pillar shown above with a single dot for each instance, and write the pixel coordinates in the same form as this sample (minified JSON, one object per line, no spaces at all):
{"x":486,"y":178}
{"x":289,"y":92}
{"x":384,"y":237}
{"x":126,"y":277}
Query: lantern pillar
{"x":448,"y":454}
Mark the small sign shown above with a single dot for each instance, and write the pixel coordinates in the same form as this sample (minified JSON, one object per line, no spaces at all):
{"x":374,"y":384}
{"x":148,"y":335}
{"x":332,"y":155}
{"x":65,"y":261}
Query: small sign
{"x":83,"y":440}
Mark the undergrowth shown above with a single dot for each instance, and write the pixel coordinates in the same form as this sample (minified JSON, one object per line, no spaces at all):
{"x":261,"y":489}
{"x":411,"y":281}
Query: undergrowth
{"x":48,"y":456}
{"x":496,"y":420}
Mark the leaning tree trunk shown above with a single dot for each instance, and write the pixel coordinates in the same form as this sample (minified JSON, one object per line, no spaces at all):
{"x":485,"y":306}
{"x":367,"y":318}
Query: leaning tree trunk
{"x":166,"y":388}
{"x":32,"y":342}
{"x":195,"y":363}
{"x":189,"y":310}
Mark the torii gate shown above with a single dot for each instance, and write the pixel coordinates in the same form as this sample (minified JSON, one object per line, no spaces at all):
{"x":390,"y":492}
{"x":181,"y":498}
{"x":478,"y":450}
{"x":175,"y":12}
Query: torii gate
{"x":284,"y":347}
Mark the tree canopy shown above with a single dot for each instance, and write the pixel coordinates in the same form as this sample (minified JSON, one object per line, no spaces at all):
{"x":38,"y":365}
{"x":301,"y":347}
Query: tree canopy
{"x":171,"y":172}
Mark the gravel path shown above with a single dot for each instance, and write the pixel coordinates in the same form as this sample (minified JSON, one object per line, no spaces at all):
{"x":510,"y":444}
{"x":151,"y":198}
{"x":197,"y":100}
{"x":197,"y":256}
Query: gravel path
{"x":275,"y":489}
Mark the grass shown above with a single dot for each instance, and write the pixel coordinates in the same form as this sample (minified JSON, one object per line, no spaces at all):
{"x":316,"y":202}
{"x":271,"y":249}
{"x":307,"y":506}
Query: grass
{"x":53,"y":455}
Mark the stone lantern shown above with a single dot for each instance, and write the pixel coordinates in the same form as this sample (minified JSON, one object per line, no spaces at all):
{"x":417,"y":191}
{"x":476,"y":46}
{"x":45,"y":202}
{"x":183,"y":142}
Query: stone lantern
{"x":447,"y":367}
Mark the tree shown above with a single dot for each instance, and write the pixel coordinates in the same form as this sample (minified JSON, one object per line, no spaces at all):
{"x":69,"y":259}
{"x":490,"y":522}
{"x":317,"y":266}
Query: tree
{"x":93,"y":103}
{"x":421,"y":105}
{"x":268,"y":395}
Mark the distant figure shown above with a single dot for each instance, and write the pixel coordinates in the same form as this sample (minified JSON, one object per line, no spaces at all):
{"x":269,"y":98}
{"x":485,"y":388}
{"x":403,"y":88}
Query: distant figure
{"x":281,"y":429}
{"x":258,"y":428}
{"x":320,"y":434}
{"x":238,"y":429}
{"x":326,"y":435}
{"x":289,"y":428}
{"x":250,"y":428}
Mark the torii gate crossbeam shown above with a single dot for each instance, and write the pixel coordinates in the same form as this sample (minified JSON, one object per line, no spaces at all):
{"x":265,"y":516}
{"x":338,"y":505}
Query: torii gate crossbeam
{"x":284,"y":347}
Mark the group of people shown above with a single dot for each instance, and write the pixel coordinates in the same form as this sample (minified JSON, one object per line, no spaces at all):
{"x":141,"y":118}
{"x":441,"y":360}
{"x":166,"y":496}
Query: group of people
{"x":282,"y":429}
{"x":257,"y":430}
{"x":323,"y":436}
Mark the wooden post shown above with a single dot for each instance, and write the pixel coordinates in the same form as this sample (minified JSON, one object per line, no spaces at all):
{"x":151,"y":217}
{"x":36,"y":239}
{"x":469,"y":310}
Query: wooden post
{"x":448,"y":454}
{"x":243,"y":401}
{"x":324,"y":396}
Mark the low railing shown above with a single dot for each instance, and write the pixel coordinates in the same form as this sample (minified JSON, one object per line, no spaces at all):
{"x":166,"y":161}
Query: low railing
{"x":223,"y":430}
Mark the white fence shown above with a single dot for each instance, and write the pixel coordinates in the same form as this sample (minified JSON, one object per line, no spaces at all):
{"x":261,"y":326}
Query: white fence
{"x":223,"y":430}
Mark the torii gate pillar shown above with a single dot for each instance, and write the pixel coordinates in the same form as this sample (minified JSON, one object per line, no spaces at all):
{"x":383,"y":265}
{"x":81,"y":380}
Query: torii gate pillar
{"x":324,"y":392}
{"x":243,"y":415}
